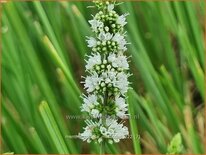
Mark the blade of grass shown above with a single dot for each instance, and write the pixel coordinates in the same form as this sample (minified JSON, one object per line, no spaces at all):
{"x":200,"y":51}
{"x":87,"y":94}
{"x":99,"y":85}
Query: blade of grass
{"x":133,"y":125}
{"x":52,"y":128}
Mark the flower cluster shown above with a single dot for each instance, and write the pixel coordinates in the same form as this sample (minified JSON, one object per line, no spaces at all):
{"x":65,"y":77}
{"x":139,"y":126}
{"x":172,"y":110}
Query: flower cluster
{"x":107,"y":79}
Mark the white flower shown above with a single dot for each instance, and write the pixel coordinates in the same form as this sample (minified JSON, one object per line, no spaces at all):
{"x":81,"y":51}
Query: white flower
{"x":94,"y":59}
{"x":88,"y":135}
{"x":91,"y":42}
{"x":120,"y":41}
{"x":111,"y":57}
{"x":121,"y":108}
{"x":91,"y":82}
{"x":109,"y":76}
{"x":119,"y":61}
{"x":104,"y":36}
{"x":111,"y":130}
{"x":95,"y":24}
{"x":95,"y":113}
{"x":110,"y":7}
{"x":121,"y":82}
{"x":89,"y":103}
{"x":115,"y":131}
{"x":107,"y":73}
{"x":121,"y":20}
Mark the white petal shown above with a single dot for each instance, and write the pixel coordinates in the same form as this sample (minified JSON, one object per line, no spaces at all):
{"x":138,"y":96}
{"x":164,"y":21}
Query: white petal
{"x":110,"y":7}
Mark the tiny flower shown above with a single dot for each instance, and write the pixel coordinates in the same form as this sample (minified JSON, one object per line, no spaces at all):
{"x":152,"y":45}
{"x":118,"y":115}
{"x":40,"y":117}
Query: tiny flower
{"x":122,"y":62}
{"x":122,"y":82}
{"x":111,"y":129}
{"x":121,"y":107}
{"x":119,"y":61}
{"x":91,"y":82}
{"x":88,"y":134}
{"x":104,"y":36}
{"x":116,"y":131}
{"x":95,"y":24}
{"x":112,"y":57}
{"x":121,"y":20}
{"x":91,"y":42}
{"x":94,"y":59}
{"x":95,"y":113}
{"x":120,"y":41}
{"x":89,"y":103}
{"x":110,"y":7}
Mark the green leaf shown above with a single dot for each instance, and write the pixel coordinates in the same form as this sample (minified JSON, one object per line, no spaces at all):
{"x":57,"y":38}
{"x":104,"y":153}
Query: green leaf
{"x":52,"y":128}
{"x":175,"y":146}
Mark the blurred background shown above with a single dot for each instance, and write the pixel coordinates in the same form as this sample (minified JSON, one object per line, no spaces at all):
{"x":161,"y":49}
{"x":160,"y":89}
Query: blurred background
{"x":43,"y":52}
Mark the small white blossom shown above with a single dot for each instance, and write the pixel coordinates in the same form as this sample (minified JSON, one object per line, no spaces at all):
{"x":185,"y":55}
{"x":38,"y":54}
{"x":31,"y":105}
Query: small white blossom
{"x":91,"y":82}
{"x":89,"y":103}
{"x":111,"y":130}
{"x":115,"y":131}
{"x":109,"y":76}
{"x":104,"y":36}
{"x":95,"y":24}
{"x":122,"y":82}
{"x":121,"y":108}
{"x":94,"y":59}
{"x":91,"y":42}
{"x":110,"y":7}
{"x":88,"y":135}
{"x":120,"y":41}
{"x":95,"y":113}
{"x":119,"y":61}
{"x":121,"y":20}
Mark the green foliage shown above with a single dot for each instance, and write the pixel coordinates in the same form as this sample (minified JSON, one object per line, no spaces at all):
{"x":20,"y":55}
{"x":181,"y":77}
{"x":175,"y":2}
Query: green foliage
{"x":175,"y":146}
{"x":43,"y":51}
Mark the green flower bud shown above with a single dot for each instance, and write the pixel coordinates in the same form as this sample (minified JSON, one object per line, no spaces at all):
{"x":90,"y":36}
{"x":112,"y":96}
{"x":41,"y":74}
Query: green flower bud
{"x":104,"y":89}
{"x":104,"y":49}
{"x":97,"y":87}
{"x":116,"y":89}
{"x":94,"y":49}
{"x":104,"y":61}
{"x":102,"y":66}
{"x":109,"y":85}
{"x":98,"y":42}
{"x":103,"y":43}
{"x":109,"y":66}
{"x":97,"y":68}
{"x":102,"y":84}
{"x":98,"y":48}
{"x":119,"y":69}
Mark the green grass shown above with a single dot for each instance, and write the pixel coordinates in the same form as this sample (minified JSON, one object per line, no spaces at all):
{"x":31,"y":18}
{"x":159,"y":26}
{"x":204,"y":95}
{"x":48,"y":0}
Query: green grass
{"x":43,"y":52}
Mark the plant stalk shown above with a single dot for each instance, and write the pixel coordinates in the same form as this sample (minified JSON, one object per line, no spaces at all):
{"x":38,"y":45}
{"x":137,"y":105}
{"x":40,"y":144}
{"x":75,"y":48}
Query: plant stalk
{"x":102,"y":147}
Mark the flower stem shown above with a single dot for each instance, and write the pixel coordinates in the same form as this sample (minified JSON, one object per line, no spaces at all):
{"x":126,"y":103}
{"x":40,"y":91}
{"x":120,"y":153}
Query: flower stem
{"x":102,"y":147}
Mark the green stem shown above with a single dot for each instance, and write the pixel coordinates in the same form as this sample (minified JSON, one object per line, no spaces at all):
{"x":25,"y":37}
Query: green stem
{"x":102,"y":147}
